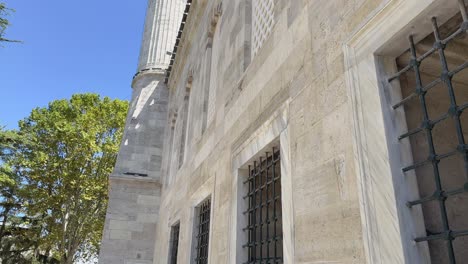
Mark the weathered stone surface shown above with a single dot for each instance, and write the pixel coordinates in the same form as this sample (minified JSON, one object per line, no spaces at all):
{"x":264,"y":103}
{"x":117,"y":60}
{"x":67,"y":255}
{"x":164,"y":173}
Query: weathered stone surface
{"x":292,"y":91}
{"x":130,"y":228}
{"x":300,"y":65}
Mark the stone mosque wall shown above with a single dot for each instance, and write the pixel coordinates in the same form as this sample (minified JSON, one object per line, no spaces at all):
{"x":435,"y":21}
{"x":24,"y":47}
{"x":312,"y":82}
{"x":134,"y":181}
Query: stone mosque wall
{"x":278,"y":115}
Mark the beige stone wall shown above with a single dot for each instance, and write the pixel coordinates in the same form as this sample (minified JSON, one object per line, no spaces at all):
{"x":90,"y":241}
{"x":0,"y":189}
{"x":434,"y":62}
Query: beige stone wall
{"x":301,"y":68}
{"x":135,"y":184}
{"x":130,"y":227}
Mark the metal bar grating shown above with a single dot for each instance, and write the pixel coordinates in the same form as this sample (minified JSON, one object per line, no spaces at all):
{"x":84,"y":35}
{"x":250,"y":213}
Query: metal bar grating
{"x":455,"y":110}
{"x":264,"y":228}
{"x":175,"y":230}
{"x":203,"y":232}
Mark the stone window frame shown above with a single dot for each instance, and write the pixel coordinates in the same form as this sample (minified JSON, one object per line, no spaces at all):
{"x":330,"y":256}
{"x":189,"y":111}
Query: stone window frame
{"x":389,"y":227}
{"x":263,"y":211}
{"x":185,"y":110}
{"x":171,"y":240}
{"x":179,"y":115}
{"x":273,"y":132}
{"x":172,"y":120}
{"x":208,"y":100}
{"x":204,"y":193}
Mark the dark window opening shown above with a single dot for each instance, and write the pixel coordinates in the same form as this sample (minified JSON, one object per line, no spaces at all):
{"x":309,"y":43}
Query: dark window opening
{"x":264,"y":213}
{"x":433,"y":76}
{"x":203,"y":232}
{"x":175,"y":230}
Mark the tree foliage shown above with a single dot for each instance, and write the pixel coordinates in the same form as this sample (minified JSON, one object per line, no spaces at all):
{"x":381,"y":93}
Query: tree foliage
{"x":17,"y":232}
{"x":61,"y":173}
{"x":4,"y":23}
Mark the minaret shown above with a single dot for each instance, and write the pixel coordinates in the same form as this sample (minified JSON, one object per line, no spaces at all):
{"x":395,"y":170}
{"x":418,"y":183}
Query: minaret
{"x":135,"y":184}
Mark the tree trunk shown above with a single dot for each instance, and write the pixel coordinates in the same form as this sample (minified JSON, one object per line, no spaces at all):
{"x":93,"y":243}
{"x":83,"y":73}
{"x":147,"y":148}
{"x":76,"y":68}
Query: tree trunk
{"x":67,"y":258}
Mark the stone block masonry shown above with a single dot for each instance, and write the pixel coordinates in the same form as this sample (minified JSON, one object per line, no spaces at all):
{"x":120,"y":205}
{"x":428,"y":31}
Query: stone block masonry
{"x":130,"y":228}
{"x":293,"y":90}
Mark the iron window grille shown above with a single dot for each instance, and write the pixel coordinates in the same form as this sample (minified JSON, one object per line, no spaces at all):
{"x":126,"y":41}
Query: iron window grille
{"x":264,"y":213}
{"x":175,"y":230}
{"x":203,"y":232}
{"x":456,"y":109}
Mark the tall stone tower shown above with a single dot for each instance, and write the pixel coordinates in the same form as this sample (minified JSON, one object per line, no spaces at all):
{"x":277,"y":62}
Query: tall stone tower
{"x":135,"y":185}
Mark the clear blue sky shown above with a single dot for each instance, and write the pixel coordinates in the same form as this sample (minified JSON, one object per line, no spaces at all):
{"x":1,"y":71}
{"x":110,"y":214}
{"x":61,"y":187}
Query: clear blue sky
{"x":69,"y":46}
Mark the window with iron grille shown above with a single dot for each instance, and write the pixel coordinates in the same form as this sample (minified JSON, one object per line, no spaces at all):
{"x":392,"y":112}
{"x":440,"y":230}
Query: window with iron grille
{"x":262,"y":22}
{"x":433,"y":77}
{"x":203,"y":232}
{"x":175,"y":230}
{"x":264,"y":213}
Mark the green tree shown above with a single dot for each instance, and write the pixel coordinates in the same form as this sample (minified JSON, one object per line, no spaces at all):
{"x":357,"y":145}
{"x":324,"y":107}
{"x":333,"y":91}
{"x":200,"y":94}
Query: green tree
{"x":15,"y":238}
{"x":63,"y":173}
{"x":20,"y":234}
{"x":4,"y":23}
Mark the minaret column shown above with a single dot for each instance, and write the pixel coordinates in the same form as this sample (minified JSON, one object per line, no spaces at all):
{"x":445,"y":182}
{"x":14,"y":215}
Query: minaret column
{"x":163,"y":19}
{"x":135,"y":184}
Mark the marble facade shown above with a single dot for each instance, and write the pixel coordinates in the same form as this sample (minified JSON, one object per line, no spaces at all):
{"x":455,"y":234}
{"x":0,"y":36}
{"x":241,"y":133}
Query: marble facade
{"x":312,"y":86}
